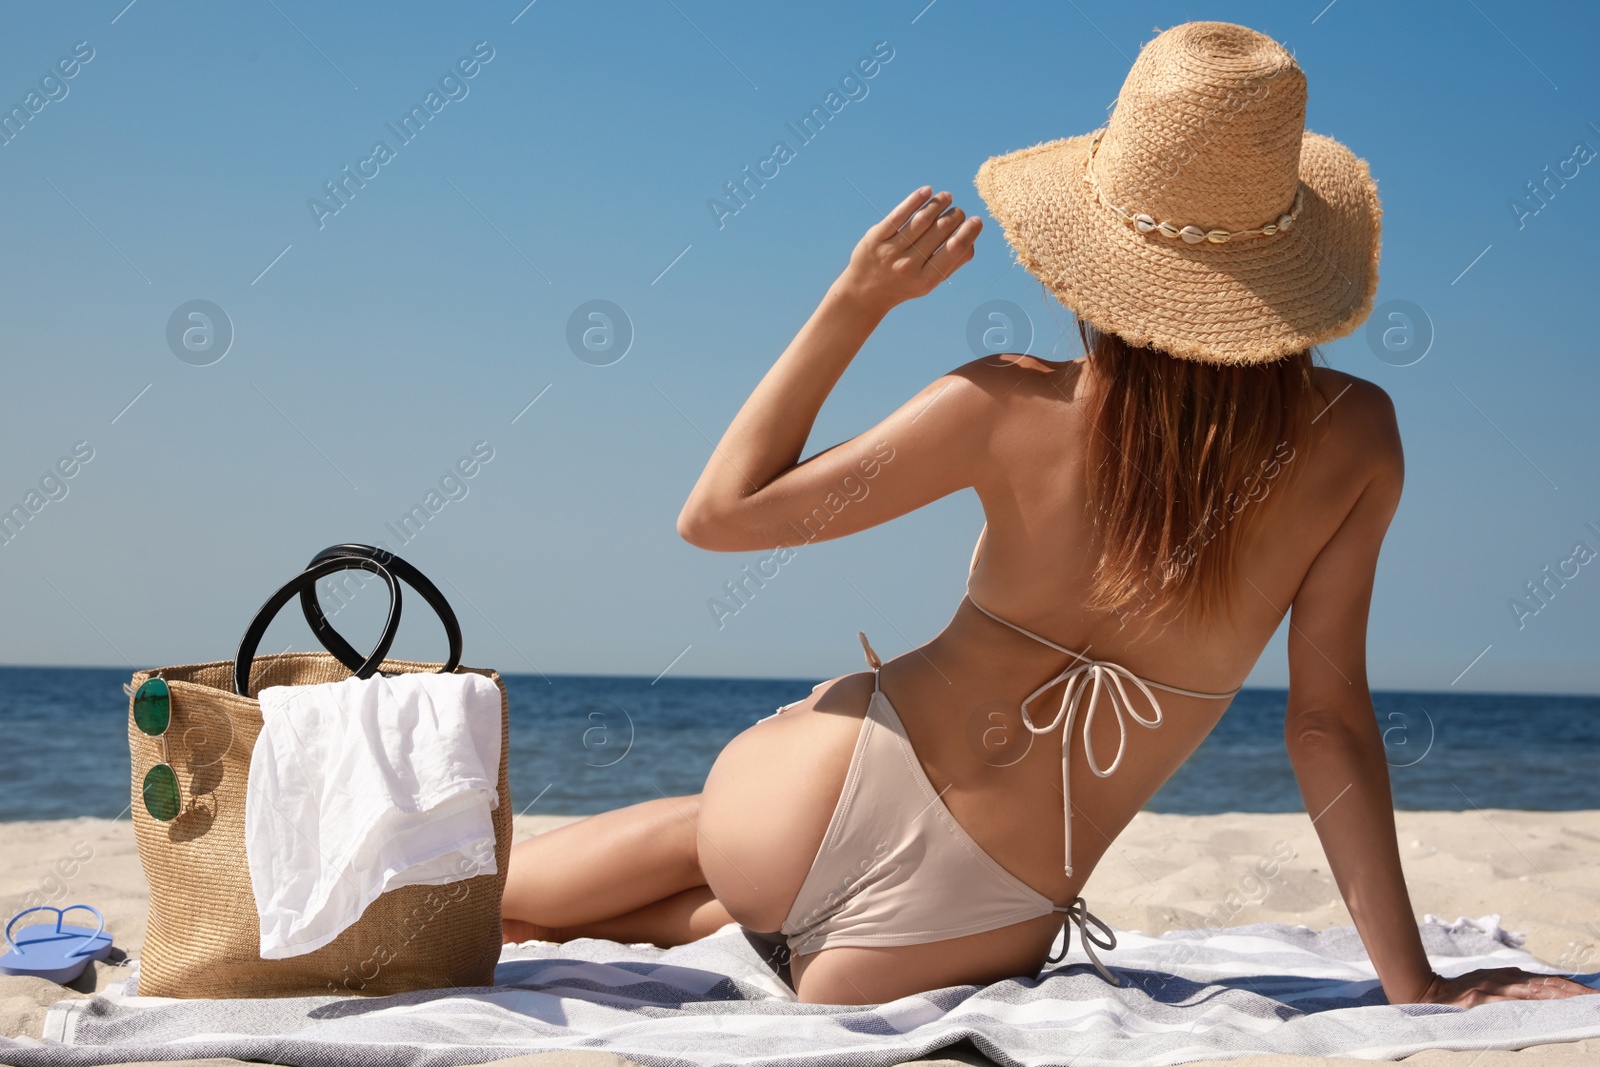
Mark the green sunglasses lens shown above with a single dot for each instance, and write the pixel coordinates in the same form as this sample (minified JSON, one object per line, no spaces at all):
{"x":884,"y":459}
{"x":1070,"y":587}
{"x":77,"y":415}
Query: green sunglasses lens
{"x":152,"y":713}
{"x":152,"y":707}
{"x":161,"y":793}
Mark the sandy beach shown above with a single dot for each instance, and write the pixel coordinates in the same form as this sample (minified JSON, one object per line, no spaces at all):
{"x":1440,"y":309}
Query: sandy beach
{"x":1539,"y":871}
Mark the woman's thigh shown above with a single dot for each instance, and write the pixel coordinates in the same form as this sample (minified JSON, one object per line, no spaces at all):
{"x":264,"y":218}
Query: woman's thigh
{"x":605,"y":865}
{"x":769,"y":796}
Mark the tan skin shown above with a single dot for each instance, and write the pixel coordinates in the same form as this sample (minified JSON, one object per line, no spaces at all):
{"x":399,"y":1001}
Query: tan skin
{"x":1012,"y":428}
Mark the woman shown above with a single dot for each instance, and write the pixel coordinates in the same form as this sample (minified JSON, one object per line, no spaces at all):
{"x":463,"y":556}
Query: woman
{"x":1161,"y":502}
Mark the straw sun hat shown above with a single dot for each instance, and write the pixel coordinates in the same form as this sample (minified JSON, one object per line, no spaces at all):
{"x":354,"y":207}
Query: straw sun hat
{"x":1203,"y":219}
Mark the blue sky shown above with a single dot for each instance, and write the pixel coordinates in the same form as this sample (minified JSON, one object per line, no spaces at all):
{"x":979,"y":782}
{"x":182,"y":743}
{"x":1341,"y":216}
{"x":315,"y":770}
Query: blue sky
{"x":375,"y":346}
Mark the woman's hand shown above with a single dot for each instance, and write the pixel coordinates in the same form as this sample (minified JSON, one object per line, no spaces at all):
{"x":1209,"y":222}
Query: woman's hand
{"x":1499,"y":983}
{"x":917,"y":245}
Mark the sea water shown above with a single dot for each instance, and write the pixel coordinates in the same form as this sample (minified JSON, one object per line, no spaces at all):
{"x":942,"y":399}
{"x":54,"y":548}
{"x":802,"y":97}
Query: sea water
{"x":582,"y":744}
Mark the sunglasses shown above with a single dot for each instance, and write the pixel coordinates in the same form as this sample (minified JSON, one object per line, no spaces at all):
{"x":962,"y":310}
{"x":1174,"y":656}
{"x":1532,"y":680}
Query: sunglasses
{"x":152,"y":713}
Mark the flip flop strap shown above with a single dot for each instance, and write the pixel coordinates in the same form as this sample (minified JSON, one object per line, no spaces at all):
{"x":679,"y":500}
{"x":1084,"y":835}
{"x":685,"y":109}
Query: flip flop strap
{"x":61,"y":914}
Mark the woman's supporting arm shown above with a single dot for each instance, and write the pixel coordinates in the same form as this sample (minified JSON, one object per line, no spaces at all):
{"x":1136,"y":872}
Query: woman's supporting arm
{"x":1344,"y":777}
{"x":1330,"y":730}
{"x":1340,"y":762}
{"x":1336,"y":746}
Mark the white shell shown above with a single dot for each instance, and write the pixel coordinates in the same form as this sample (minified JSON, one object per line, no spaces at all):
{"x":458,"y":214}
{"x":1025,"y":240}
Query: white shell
{"x":1192,"y":234}
{"x":1167,"y":229}
{"x":1144,"y":223}
{"x":1218,"y":237}
{"x":1285,"y":221}
{"x":1270,"y":228}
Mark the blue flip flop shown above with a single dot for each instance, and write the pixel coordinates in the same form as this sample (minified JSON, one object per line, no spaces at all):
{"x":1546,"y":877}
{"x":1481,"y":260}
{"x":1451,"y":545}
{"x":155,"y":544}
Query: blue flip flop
{"x":58,"y":953}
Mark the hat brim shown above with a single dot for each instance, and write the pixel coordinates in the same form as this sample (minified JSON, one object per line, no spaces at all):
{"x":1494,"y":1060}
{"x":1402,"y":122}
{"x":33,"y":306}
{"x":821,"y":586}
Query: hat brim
{"x":1249,"y":301}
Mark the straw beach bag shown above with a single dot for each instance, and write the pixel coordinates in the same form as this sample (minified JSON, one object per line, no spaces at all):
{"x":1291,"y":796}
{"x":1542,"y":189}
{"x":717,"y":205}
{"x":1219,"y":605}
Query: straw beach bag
{"x":203,"y":938}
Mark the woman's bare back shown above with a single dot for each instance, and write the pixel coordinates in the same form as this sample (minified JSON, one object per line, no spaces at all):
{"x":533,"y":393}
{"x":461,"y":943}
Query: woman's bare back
{"x":769,"y":798}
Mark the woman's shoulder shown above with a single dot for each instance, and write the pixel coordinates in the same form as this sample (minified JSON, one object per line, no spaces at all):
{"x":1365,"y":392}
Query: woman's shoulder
{"x":1355,"y":418}
{"x":1018,"y":376}
{"x":1337,"y":386}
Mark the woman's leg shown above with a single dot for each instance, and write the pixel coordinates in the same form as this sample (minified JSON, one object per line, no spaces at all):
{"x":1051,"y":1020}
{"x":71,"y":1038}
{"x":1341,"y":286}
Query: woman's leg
{"x":631,"y":874}
{"x":677,"y":920}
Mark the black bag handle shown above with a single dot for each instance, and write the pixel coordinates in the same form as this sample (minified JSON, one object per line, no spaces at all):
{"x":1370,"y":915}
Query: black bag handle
{"x":307,"y":579}
{"x":335,"y":643}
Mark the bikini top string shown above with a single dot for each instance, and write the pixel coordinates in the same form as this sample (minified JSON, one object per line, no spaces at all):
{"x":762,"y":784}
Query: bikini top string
{"x":1091,"y":677}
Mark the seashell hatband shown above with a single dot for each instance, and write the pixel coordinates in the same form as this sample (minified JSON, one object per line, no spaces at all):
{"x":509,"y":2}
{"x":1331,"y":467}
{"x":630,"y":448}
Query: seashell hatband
{"x":1189,"y":233}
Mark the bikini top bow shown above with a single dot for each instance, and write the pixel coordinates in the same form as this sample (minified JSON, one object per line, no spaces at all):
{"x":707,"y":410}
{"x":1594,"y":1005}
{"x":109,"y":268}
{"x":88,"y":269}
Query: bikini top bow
{"x":1092,"y":677}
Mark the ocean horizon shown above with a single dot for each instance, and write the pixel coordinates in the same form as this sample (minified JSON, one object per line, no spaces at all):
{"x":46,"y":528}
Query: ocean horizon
{"x":582,"y":744}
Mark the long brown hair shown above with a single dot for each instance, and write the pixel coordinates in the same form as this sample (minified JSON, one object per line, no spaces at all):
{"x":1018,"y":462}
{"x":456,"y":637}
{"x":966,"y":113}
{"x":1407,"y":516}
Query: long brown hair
{"x":1179,"y":453}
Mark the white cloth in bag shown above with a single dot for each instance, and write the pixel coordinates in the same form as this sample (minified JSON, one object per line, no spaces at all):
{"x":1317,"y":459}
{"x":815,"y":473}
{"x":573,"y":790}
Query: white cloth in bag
{"x":362,"y":786}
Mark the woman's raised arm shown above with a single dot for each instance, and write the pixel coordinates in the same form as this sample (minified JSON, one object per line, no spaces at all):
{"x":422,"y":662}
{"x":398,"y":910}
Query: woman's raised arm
{"x":754,"y":492}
